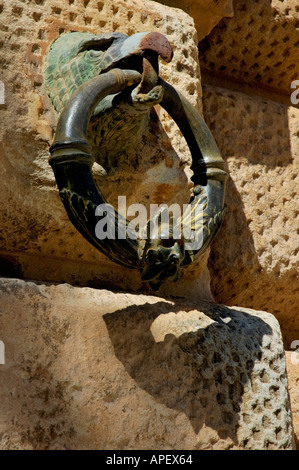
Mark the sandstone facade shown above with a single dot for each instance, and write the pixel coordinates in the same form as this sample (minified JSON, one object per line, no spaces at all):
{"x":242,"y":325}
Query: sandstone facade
{"x":248,"y":63}
{"x":206,"y":13}
{"x":258,"y":46}
{"x":292,"y":359}
{"x":51,"y":333}
{"x":92,"y":369}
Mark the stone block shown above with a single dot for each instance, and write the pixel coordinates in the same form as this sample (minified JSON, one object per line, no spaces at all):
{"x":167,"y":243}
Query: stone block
{"x":93,"y":369}
{"x":37,"y":240}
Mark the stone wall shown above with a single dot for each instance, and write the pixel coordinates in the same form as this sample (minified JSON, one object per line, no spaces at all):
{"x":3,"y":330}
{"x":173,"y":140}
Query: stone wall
{"x":248,"y":63}
{"x":51,"y":333}
{"x":258,"y":46}
{"x":206,"y":13}
{"x":92,"y":369}
{"x":292,"y":360}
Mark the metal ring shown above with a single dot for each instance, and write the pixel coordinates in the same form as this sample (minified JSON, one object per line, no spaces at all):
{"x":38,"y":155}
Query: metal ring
{"x":71,"y":160}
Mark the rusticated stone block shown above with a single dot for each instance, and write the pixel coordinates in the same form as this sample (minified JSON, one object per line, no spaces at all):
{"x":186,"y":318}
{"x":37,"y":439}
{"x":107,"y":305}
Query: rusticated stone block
{"x":206,"y":13}
{"x":259,"y":45}
{"x":248,"y":64}
{"x":292,"y":359}
{"x":254,"y":259}
{"x":92,"y":369}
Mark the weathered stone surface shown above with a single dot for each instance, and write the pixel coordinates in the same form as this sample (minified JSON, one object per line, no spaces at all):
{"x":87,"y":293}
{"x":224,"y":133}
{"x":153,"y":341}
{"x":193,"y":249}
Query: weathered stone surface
{"x":292,"y":360}
{"x":248,"y":63}
{"x":92,"y":369}
{"x":78,"y":372}
{"x":37,"y":240}
{"x":259,"y":45}
{"x":206,"y":13}
{"x":254,"y":261}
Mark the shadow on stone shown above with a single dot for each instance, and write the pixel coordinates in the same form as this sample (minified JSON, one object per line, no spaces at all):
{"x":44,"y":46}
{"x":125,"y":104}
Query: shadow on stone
{"x":200,"y":371}
{"x":229,"y":268}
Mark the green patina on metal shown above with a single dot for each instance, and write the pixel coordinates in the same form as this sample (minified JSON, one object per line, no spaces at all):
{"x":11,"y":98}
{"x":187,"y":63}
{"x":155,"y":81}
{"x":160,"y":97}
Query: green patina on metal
{"x":105,"y":84}
{"x":75,"y":58}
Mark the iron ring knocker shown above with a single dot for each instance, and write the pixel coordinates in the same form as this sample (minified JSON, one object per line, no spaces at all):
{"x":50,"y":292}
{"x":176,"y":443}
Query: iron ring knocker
{"x":71,"y":160}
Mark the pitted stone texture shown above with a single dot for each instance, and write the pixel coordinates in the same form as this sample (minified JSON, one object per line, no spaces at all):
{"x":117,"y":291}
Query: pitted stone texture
{"x":37,"y":240}
{"x":206,"y":13}
{"x":259,"y":45}
{"x":292,"y":360}
{"x":90,"y":369}
{"x":254,"y":260}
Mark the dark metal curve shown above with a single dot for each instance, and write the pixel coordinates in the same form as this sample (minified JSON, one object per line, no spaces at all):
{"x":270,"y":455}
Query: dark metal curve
{"x":209,"y":175}
{"x":71,"y":161}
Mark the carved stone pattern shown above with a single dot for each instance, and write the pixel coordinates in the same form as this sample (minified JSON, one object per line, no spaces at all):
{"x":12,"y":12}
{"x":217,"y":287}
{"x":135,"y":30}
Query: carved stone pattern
{"x":92,"y":369}
{"x":259,"y":45}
